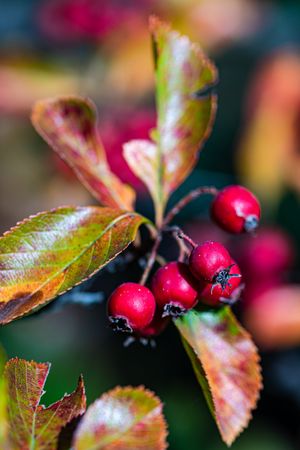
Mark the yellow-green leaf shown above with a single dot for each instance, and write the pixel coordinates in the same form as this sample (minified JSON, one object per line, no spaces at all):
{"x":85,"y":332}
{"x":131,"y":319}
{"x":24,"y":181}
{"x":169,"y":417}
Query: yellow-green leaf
{"x":51,"y":252}
{"x":186,"y":107}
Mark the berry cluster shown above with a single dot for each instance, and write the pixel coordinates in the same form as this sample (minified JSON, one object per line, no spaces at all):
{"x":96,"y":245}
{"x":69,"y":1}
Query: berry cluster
{"x":210,"y":276}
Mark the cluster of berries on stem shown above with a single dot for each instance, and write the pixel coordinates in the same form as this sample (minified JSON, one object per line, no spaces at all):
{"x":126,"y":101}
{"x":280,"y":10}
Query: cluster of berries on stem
{"x":204,"y":273}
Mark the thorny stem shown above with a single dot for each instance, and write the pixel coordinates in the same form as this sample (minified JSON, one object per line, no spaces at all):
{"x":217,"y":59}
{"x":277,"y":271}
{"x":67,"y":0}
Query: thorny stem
{"x":187,"y":199}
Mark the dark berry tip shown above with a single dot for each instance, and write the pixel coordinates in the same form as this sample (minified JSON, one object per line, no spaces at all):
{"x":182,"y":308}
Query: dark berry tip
{"x":251,"y":223}
{"x":120,"y":324}
{"x":174,"y":310}
{"x":222,"y":278}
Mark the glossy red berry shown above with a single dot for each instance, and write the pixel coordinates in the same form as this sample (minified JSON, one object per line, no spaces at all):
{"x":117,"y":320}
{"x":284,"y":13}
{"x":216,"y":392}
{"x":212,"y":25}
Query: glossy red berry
{"x":236,"y":209}
{"x":131,"y":307}
{"x":214,"y":295}
{"x":210,"y":261}
{"x":174,"y":289}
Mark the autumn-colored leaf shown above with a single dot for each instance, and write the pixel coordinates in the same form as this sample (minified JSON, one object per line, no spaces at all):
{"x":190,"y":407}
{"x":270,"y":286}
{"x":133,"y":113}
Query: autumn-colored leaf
{"x":186,"y":107}
{"x":68,"y":124}
{"x":31,"y":425}
{"x":226,"y":363}
{"x":3,"y":400}
{"x":123,"y":419}
{"x":143,"y":159}
{"x":51,"y":252}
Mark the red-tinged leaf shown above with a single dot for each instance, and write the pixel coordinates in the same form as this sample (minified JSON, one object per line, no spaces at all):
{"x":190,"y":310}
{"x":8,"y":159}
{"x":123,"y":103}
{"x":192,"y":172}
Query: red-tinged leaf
{"x":143,"y":158}
{"x":4,"y":445}
{"x":31,"y":425}
{"x":123,"y":419}
{"x":226,"y":364}
{"x":51,"y":252}
{"x":68,"y":124}
{"x":186,"y":106}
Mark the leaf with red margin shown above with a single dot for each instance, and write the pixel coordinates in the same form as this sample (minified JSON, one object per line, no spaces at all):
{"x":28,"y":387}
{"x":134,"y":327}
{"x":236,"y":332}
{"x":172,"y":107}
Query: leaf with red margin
{"x":143,"y":159}
{"x":31,"y":425}
{"x":3,"y":400}
{"x":68,"y":124}
{"x":226,"y":364}
{"x":123,"y":419}
{"x":51,"y":252}
{"x":186,"y":107}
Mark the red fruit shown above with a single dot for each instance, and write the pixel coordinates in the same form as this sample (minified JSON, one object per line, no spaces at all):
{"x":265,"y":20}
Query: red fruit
{"x":174,"y":289}
{"x":131,"y":307}
{"x":214,"y":295}
{"x":156,"y":327}
{"x":269,"y":255}
{"x":210,"y":261}
{"x":236,"y":209}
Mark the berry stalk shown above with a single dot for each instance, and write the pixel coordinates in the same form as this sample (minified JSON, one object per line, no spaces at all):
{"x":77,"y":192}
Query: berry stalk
{"x":211,"y":190}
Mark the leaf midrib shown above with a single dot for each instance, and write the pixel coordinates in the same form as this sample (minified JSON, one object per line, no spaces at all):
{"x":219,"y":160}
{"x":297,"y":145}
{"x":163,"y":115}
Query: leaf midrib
{"x":112,"y":223}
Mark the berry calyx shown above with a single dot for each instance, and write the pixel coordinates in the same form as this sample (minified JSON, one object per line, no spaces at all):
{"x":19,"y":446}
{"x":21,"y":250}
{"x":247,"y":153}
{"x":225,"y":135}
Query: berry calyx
{"x":131,"y":307}
{"x":236,"y":209}
{"x":174,"y":289}
{"x":210,"y":261}
{"x":213,"y":294}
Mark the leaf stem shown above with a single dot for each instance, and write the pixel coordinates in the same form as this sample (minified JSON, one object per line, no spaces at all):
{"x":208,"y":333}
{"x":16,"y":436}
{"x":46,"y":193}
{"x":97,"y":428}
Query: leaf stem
{"x":187,"y":199}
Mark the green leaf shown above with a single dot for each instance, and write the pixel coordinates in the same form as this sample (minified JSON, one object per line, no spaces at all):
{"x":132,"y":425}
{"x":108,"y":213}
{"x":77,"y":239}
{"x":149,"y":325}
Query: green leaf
{"x":31,"y":425}
{"x":123,"y":419}
{"x":51,"y":252}
{"x":186,"y":107}
{"x":68,"y":124}
{"x":226,"y":364}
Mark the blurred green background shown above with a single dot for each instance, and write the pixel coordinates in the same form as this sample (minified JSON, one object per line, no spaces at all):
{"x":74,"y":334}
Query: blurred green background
{"x":101,"y":49}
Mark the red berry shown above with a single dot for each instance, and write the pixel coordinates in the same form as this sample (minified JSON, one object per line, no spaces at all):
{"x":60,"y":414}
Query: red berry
{"x":236,"y":209}
{"x":209,"y":260}
{"x":156,"y":327}
{"x":131,"y":307}
{"x":174,"y":289}
{"x":269,"y":255}
{"x":214,"y":295}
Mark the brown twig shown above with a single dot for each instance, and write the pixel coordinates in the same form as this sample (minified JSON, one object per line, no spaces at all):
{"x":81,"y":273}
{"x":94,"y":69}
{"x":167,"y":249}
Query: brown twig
{"x":187,"y":199}
{"x":151,"y":259}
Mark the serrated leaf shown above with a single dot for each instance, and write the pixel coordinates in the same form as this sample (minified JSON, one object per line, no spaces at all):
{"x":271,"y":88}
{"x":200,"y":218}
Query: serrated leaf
{"x":68,"y":124}
{"x":226,"y":363}
{"x":31,"y":425}
{"x":51,"y":252}
{"x":186,"y":106}
{"x":123,"y":419}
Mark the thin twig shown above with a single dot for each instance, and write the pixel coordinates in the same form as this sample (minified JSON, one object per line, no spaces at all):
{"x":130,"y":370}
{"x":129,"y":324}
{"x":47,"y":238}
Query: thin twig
{"x":186,"y":200}
{"x":151,"y":260}
{"x":181,"y":239}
